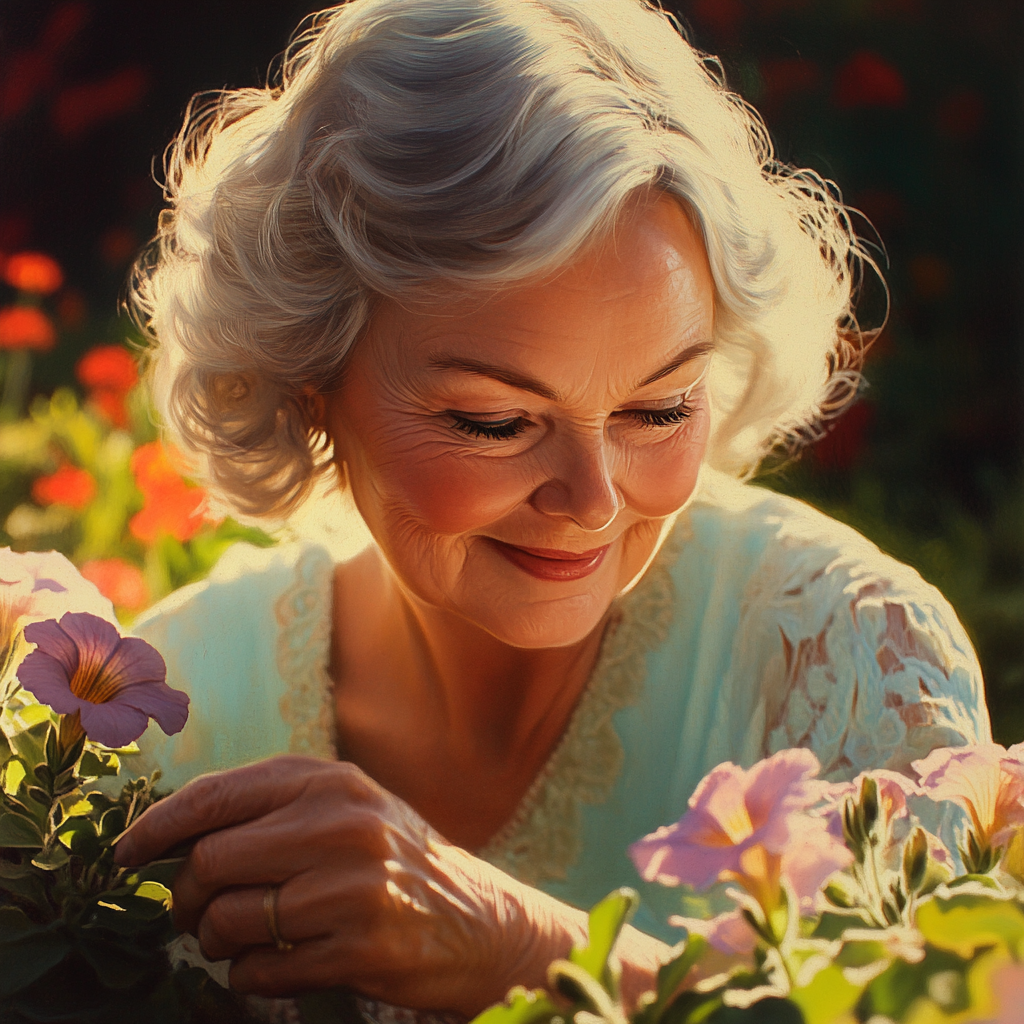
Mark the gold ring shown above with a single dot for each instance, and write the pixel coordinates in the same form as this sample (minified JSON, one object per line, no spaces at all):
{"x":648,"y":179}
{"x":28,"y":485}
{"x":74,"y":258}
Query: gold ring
{"x":270,"y":913}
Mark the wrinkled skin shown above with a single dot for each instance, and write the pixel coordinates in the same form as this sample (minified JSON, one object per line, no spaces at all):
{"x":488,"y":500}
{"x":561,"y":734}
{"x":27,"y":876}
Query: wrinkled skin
{"x":456,"y":670}
{"x":371,"y":896}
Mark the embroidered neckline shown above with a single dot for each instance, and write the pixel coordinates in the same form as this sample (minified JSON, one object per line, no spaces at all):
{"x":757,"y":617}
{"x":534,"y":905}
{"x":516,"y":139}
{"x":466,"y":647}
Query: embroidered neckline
{"x":542,"y":839}
{"x":303,"y":652}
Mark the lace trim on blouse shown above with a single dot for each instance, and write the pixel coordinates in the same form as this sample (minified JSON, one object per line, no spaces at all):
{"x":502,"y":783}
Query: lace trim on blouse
{"x":303,"y":653}
{"x":542,"y":840}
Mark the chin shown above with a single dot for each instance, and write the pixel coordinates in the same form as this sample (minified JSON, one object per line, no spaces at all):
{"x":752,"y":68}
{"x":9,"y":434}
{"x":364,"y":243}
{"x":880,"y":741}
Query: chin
{"x":558,"y":622}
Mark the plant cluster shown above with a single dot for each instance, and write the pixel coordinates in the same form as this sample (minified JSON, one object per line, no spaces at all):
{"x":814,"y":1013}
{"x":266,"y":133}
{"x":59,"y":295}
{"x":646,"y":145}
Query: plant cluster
{"x":842,"y":907}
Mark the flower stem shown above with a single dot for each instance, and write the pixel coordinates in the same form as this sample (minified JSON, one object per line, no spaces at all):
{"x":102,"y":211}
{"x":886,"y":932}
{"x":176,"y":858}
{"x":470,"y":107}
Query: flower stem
{"x":16,"y":381}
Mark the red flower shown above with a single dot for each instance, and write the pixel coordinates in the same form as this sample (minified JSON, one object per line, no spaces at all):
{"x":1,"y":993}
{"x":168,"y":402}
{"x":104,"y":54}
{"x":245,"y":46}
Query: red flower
{"x":118,"y":580}
{"x":109,"y":372}
{"x":33,"y":272}
{"x":867,"y":80}
{"x":172,"y":506}
{"x":26,"y":327}
{"x":109,"y":367}
{"x":78,"y":108}
{"x":68,"y":486}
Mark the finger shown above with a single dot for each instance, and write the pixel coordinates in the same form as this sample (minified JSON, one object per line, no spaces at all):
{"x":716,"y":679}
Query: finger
{"x":238,"y":920}
{"x":269,"y":851}
{"x":304,"y":908}
{"x":309,"y":965}
{"x":215,"y":801}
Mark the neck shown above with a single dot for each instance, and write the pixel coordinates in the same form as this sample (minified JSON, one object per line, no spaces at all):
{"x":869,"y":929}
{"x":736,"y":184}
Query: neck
{"x":485,"y":698}
{"x":500,"y":698}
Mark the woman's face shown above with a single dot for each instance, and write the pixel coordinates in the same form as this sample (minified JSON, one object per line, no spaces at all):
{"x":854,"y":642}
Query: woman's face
{"x":516,"y":457}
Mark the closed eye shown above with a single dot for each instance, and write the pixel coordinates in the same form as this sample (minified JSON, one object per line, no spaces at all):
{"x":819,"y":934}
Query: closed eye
{"x":670,"y":417}
{"x":493,"y":430}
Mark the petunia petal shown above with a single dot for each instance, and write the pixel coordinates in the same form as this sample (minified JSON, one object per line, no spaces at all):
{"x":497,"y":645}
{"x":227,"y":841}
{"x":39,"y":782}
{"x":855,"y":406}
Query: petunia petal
{"x":54,"y":641}
{"x":95,"y":638}
{"x":113,"y":724}
{"x":133,"y":661}
{"x":166,"y":706}
{"x":46,"y":678}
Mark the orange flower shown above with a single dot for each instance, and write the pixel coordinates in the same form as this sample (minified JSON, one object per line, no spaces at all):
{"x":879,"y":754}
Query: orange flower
{"x":68,"y":486}
{"x":33,"y":272}
{"x":108,"y":367}
{"x":110,"y":372}
{"x":26,"y":327}
{"x":119,"y":581}
{"x":172,"y":506}
{"x":112,"y":406}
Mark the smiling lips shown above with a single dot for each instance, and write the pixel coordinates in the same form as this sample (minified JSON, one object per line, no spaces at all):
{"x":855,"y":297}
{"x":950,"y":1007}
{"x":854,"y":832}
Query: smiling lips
{"x":548,"y":564}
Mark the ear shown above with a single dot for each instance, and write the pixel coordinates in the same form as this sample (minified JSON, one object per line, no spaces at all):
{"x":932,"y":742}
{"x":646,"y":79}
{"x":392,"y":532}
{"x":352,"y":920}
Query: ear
{"x":314,"y":409}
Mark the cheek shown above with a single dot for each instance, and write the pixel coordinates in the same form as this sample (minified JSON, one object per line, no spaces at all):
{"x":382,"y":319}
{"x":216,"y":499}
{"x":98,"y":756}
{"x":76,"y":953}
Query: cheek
{"x":449,"y":495}
{"x":661,"y":477}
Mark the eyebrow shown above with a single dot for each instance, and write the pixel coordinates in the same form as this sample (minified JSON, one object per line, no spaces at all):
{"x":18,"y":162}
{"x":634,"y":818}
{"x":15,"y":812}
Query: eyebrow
{"x":524,"y":382}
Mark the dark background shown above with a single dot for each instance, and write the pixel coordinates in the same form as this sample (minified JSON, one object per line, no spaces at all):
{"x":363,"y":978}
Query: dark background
{"x":913,"y":106}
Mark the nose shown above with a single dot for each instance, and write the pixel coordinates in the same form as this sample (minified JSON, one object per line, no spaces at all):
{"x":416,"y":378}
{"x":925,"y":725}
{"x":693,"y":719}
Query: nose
{"x":581,"y":486}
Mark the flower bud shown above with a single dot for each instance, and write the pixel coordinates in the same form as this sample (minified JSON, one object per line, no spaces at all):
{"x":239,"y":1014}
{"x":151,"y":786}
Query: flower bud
{"x":869,"y":803}
{"x":915,"y":860}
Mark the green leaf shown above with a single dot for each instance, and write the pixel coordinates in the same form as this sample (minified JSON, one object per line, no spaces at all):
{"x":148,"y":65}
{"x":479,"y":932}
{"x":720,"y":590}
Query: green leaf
{"x":670,"y":976}
{"x":965,"y":923}
{"x":112,"y":824}
{"x":12,"y":774}
{"x":79,"y":836}
{"x":30,"y":955}
{"x":581,"y":987}
{"x":94,"y":766}
{"x":28,"y":744}
{"x":828,"y":996}
{"x":19,"y":831}
{"x":521,"y":1006}
{"x":15,"y":924}
{"x":119,"y":962}
{"x":606,"y":921}
{"x":51,"y":749}
{"x":155,"y":891}
{"x":127,"y":914}
{"x":70,"y":755}
{"x":56,"y":857}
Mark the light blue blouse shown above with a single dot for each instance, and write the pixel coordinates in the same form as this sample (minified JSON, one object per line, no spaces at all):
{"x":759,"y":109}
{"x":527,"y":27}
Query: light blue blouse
{"x":761,"y":624}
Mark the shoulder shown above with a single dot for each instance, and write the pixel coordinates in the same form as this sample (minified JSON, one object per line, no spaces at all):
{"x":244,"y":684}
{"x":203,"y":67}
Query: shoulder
{"x":249,"y":645}
{"x":246,"y":581}
{"x":841,"y":647}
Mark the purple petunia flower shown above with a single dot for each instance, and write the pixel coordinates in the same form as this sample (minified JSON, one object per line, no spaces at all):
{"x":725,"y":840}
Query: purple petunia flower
{"x":115,"y":683}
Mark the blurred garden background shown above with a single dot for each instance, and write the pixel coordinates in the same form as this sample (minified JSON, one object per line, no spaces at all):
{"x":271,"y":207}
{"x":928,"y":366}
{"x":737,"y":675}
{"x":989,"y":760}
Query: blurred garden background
{"x":913,"y":106}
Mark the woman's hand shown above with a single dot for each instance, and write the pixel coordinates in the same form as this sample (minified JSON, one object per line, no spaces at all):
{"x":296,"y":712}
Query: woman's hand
{"x":369,"y":896}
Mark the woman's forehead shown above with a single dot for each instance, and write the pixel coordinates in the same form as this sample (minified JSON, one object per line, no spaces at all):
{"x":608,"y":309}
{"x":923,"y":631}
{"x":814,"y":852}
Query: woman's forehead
{"x":648,"y":278}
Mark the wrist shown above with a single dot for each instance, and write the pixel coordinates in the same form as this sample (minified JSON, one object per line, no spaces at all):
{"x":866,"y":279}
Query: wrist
{"x":537,"y":929}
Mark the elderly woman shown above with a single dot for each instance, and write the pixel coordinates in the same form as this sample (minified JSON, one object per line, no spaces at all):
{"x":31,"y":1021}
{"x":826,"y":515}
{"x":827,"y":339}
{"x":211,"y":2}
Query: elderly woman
{"x":525,"y":275}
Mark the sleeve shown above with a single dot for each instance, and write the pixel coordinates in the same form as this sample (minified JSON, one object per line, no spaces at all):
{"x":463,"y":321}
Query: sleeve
{"x":863,"y":662}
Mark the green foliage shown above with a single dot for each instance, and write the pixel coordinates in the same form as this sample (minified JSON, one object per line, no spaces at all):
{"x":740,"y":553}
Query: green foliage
{"x":80,"y":938}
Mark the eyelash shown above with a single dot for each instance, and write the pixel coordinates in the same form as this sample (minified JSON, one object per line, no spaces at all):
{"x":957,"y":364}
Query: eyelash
{"x":505,"y":430}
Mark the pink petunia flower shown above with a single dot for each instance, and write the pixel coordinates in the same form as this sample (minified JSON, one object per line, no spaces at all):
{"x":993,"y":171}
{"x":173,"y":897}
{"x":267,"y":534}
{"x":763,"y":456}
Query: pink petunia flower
{"x":728,"y":933}
{"x":987,"y":780}
{"x":43,"y":585}
{"x":749,"y":826}
{"x":115,"y":684}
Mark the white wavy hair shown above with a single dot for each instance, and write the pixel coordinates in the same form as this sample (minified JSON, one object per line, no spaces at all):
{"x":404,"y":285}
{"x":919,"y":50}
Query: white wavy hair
{"x":422,"y":146}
